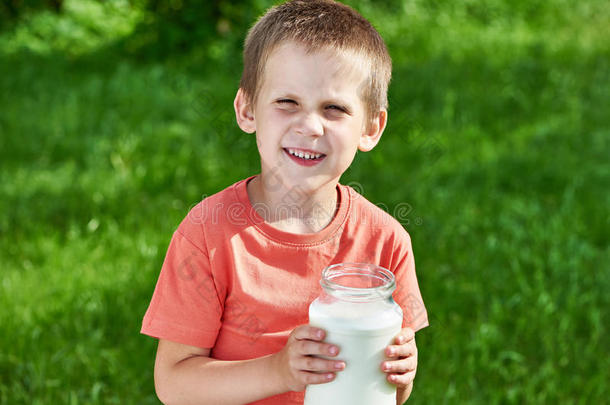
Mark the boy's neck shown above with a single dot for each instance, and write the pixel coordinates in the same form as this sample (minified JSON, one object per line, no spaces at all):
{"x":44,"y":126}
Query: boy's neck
{"x":293,"y":209}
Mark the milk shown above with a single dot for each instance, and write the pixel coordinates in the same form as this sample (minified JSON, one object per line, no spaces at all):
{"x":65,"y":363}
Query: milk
{"x":362,"y":330}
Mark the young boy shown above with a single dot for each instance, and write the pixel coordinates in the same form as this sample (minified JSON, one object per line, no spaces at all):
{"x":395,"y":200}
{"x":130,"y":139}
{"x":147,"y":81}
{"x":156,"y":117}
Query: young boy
{"x":230,"y":308}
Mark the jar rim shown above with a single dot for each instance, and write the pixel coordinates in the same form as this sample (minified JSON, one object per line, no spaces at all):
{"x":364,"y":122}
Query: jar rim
{"x":334,"y":288}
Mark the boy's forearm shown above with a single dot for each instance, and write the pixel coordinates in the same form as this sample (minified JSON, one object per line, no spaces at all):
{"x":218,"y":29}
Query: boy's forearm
{"x":402,"y":394}
{"x":203,"y":380}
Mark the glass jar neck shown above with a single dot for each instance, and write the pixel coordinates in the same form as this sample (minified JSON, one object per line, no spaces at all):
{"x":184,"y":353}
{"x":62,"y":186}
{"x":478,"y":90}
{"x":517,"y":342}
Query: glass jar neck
{"x":358,"y":282}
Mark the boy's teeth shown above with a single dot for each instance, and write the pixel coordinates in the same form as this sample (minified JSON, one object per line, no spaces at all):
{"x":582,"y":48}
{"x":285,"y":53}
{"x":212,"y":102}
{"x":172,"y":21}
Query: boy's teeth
{"x":303,"y":155}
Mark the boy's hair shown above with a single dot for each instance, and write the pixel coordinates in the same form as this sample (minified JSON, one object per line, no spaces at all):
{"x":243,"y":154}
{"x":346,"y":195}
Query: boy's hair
{"x":319,"y":25}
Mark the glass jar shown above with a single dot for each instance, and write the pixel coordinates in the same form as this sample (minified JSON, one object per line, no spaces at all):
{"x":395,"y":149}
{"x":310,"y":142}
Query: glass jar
{"x":359,"y":315}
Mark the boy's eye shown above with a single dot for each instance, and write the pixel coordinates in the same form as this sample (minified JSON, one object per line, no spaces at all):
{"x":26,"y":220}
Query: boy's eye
{"x":336,"y":107}
{"x":286,"y":101}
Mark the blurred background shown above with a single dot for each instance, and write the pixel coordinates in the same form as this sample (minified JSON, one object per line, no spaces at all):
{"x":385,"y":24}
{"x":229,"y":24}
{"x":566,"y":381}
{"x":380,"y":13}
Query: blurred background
{"x":116,"y":117}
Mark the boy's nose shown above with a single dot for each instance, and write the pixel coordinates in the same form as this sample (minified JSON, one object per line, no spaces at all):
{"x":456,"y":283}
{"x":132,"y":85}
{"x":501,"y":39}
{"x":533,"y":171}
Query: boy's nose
{"x":310,"y":125}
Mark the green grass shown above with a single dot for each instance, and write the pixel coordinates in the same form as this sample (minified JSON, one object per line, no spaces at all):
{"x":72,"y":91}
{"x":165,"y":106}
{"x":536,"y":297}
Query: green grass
{"x":498,"y":139}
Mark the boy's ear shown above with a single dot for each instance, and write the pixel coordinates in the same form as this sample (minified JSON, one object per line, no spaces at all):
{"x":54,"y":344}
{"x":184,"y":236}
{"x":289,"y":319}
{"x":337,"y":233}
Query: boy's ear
{"x":243,"y":112}
{"x":371,"y":135}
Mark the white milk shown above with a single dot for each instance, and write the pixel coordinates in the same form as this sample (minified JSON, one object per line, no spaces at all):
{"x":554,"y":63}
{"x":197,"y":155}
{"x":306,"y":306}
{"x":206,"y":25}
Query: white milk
{"x":362,"y":330}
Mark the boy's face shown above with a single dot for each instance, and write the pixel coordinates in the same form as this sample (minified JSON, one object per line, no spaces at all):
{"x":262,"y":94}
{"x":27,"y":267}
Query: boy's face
{"x":308,"y":104}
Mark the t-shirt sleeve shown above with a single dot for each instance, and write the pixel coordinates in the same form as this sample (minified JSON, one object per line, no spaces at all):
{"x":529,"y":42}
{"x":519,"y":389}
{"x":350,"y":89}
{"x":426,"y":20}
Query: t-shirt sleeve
{"x":407,"y":293}
{"x":186,"y":306}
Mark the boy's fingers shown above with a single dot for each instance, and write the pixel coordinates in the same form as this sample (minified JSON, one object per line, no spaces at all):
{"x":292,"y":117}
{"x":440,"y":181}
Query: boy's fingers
{"x":309,"y":332}
{"x":400,"y":350}
{"x":315,"y":378}
{"x":308,"y":347}
{"x":405,"y":335}
{"x":402,"y":380}
{"x":399,"y":366}
{"x":316,"y":364}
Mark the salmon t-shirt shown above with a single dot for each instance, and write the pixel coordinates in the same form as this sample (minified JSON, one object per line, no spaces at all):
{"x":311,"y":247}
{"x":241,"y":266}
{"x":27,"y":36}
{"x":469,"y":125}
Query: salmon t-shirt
{"x":233,"y":283}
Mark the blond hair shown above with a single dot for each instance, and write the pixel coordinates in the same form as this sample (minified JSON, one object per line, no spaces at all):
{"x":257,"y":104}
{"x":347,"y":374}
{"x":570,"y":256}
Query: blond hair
{"x":319,"y":25}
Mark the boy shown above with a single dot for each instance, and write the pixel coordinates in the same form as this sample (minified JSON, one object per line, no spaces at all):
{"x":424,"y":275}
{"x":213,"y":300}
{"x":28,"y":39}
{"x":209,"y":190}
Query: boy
{"x":230,"y":308}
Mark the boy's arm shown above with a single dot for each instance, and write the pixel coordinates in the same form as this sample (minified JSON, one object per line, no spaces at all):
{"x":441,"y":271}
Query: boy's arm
{"x":402,"y":394}
{"x":187,"y":375}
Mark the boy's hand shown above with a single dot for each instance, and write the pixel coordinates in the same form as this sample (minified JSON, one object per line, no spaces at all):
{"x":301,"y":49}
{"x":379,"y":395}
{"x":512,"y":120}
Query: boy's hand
{"x":402,"y":365}
{"x":296,"y":364}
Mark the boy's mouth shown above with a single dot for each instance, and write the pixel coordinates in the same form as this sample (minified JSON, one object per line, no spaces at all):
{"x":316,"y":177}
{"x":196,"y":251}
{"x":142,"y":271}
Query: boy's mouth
{"x":304,"y":157}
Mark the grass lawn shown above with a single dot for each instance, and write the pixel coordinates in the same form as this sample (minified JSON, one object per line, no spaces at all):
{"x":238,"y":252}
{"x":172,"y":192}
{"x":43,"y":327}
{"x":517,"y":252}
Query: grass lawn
{"x":495,"y":159}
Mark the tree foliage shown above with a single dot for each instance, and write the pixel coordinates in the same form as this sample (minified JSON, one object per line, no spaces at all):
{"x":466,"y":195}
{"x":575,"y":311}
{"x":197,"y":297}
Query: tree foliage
{"x":12,"y":10}
{"x":173,"y":26}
